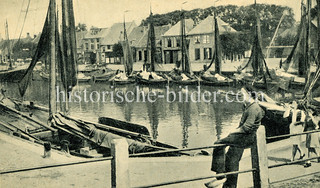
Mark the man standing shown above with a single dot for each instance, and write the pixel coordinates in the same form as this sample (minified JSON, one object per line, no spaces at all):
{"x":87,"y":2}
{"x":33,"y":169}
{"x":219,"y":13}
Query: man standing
{"x":242,"y":138}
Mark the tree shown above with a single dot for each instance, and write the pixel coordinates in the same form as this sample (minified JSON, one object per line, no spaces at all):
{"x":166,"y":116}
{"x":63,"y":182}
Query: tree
{"x":117,"y":50}
{"x":81,"y":27}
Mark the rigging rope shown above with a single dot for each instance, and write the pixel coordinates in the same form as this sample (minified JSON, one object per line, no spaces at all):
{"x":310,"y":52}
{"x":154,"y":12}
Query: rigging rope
{"x":24,"y":21}
{"x":19,"y":18}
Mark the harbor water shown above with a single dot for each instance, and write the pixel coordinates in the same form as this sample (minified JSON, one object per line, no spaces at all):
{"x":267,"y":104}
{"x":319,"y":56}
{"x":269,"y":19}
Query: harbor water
{"x":188,"y":121}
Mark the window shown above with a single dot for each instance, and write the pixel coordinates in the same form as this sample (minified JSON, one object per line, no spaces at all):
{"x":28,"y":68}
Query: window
{"x":97,"y":40}
{"x":178,"y":42}
{"x":197,"y":39}
{"x":87,"y":46}
{"x":140,"y":55}
{"x":197,"y":54}
{"x":104,"y":49}
{"x":206,"y":39}
{"x":92,"y":46}
{"x":207,"y":53}
{"x":169,"y":42}
{"x":98,"y":46}
{"x":92,"y":41}
{"x":108,"y":47}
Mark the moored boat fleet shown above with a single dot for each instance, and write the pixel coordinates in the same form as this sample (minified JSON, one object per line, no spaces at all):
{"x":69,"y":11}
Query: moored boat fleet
{"x":93,"y":139}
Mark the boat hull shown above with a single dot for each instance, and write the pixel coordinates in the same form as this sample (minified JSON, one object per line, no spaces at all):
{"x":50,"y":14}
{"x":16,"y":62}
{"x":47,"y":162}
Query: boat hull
{"x":12,"y":75}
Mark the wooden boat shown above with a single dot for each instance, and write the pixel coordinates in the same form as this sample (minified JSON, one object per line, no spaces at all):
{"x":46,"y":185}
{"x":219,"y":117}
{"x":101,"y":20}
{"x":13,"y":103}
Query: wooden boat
{"x":102,"y":75}
{"x":216,"y":79}
{"x":80,"y":77}
{"x":151,"y":78}
{"x":13,"y":74}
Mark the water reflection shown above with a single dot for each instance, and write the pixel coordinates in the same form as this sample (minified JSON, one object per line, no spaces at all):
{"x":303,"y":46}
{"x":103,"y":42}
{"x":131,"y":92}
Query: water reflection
{"x":180,"y":123}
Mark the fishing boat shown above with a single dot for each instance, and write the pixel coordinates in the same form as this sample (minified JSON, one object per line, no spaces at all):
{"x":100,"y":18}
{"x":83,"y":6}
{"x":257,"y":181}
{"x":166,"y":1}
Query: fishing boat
{"x":102,"y":75}
{"x":256,"y":72}
{"x":80,"y":77}
{"x":274,"y":120}
{"x":148,"y":76}
{"x":82,"y":137}
{"x":215,"y":79}
{"x":126,"y":77}
{"x":183,"y":75}
{"x":297,"y":65}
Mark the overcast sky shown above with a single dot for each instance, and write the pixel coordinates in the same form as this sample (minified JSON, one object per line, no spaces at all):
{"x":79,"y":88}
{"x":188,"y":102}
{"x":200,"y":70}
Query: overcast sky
{"x":103,"y":13}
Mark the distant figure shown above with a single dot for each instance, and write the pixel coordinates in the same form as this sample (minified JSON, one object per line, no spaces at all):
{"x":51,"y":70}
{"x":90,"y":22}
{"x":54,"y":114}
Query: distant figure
{"x":312,"y":139}
{"x":242,"y":138}
{"x":295,"y":128}
{"x":280,"y":66}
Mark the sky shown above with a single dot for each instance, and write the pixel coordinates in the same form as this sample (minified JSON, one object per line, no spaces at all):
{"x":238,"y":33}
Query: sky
{"x":103,"y":13}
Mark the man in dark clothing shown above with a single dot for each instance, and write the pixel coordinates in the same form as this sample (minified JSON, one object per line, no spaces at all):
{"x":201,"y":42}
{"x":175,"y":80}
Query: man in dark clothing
{"x":242,"y":138}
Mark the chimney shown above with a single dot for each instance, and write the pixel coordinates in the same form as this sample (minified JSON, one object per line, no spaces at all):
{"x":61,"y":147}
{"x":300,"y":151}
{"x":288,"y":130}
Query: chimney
{"x":34,"y":36}
{"x":28,"y":35}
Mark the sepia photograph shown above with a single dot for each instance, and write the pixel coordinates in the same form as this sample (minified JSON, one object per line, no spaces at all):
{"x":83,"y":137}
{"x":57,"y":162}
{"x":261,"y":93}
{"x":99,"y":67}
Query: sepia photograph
{"x":159,"y":93}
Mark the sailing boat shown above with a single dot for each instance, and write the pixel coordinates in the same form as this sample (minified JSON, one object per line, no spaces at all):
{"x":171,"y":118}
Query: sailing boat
{"x":215,"y":79}
{"x":148,"y":76}
{"x":183,"y":76}
{"x":297,"y":64}
{"x":11,"y":74}
{"x":256,"y":71}
{"x":64,"y":130}
{"x":125,"y":77}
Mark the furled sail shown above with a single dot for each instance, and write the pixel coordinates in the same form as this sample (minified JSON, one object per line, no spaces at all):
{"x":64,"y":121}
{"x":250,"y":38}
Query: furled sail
{"x":217,"y":50}
{"x":257,"y":63}
{"x":152,"y":40}
{"x":68,"y":62}
{"x":297,"y":57}
{"x":127,"y":55}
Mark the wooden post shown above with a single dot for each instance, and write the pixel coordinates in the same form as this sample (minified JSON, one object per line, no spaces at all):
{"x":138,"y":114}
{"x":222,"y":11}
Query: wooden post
{"x":259,"y":158}
{"x":119,"y":164}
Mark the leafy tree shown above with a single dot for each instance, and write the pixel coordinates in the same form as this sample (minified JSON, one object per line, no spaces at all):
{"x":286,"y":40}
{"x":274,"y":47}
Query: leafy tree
{"x":81,"y":27}
{"x":117,"y":50}
{"x":23,"y":49}
{"x":242,"y":18}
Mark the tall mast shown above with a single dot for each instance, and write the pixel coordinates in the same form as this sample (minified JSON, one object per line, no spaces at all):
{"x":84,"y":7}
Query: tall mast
{"x":52,"y":55}
{"x":308,"y":46}
{"x":182,"y":42}
{"x":217,"y":52}
{"x":9,"y":45}
{"x":152,"y":40}
{"x":318,"y":7}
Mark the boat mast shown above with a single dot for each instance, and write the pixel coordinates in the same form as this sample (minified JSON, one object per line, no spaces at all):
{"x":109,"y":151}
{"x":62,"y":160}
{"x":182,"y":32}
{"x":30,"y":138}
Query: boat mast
{"x":318,"y":7}
{"x":307,"y":63}
{"x":52,"y":55}
{"x":152,"y":43}
{"x":217,"y":56}
{"x":182,"y":42}
{"x":8,"y":46}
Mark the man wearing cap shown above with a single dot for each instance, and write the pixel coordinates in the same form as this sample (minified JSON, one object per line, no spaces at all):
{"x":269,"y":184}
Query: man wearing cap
{"x":242,"y":138}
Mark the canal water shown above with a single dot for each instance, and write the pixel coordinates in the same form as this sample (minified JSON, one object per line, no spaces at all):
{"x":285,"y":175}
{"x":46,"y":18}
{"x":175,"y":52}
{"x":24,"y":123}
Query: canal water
{"x":183,"y":122}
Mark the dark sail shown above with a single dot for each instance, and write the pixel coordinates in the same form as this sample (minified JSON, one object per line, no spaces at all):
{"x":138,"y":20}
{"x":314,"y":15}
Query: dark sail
{"x":185,"y":64}
{"x":127,"y":55}
{"x":152,"y":39}
{"x":67,"y":62}
{"x":256,"y":61}
{"x":216,"y":58}
{"x":297,"y":56}
{"x":42,"y":49}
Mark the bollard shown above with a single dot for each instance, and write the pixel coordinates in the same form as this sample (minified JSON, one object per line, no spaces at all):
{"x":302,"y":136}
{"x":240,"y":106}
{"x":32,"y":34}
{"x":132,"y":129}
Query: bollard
{"x":259,"y":158}
{"x":120,"y":164}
